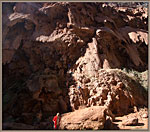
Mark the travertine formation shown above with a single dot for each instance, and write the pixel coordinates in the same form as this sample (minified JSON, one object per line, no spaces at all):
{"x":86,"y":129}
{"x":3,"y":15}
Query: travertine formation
{"x":88,"y":118}
{"x":111,"y":88}
{"x":63,"y":56}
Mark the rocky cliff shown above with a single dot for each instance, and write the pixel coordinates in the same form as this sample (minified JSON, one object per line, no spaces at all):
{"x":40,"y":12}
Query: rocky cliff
{"x":63,"y":56}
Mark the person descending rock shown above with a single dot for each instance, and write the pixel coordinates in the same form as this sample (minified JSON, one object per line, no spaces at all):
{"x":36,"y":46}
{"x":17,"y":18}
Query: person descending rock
{"x":56,"y":121}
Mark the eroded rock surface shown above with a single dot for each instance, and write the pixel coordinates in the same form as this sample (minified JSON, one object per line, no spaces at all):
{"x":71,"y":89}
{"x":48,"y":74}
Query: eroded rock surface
{"x":88,"y":118}
{"x":111,"y":88}
{"x":51,"y":48}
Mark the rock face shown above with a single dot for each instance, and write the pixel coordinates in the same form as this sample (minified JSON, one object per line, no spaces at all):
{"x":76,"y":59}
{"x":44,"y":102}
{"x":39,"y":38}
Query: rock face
{"x":35,"y":22}
{"x":111,"y":88}
{"x":59,"y":56}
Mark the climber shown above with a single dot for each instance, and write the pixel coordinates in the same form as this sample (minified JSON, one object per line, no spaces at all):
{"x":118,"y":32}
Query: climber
{"x":79,"y":87}
{"x":56,"y":121}
{"x":80,"y":90}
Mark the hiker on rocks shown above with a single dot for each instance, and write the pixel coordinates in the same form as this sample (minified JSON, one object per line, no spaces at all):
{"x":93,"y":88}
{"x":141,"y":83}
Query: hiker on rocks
{"x":56,"y":121}
{"x":81,"y":92}
{"x":79,"y":87}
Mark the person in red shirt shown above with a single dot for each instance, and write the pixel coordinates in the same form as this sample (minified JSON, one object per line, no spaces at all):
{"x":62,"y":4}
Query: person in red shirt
{"x":56,"y":121}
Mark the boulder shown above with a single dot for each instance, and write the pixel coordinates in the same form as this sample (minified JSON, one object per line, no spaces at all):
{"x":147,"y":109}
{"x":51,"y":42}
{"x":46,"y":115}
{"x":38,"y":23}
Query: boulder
{"x":92,"y":118}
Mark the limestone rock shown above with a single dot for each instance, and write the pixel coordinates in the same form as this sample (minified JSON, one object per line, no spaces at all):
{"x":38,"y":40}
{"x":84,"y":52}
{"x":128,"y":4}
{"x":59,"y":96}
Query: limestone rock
{"x":60,"y":56}
{"x":129,"y":122}
{"x":88,"y":118}
{"x":113,"y":88}
{"x":145,"y":115}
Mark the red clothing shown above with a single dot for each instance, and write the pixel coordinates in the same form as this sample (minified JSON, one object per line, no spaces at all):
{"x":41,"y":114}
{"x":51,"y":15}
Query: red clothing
{"x":55,"y":121}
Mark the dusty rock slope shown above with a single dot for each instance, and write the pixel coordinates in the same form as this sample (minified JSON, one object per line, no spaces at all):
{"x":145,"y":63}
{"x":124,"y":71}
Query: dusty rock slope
{"x":63,"y":57}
